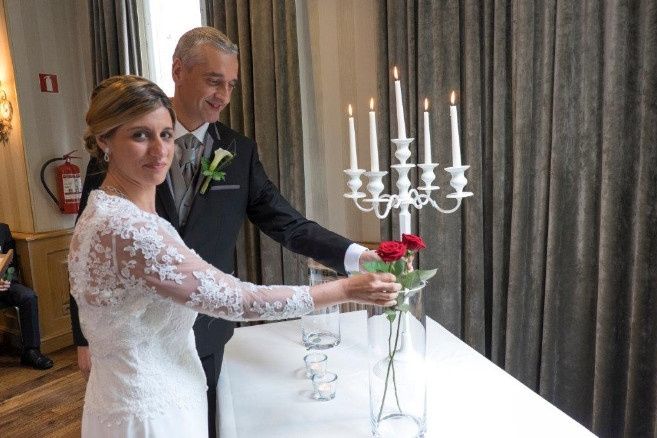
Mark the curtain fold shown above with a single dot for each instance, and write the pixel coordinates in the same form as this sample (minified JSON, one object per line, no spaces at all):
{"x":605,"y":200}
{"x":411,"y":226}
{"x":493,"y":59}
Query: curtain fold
{"x":550,"y":269}
{"x":266,"y":107}
{"x":115,"y":46}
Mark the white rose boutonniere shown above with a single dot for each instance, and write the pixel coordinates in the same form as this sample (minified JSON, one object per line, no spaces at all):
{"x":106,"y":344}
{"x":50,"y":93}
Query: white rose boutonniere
{"x":212,"y":170}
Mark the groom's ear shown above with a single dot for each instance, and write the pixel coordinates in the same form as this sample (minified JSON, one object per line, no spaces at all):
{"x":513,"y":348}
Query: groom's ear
{"x":176,"y":69}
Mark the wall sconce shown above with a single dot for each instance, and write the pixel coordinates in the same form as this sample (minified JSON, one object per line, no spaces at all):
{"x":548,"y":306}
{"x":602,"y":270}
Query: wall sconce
{"x":6,"y":113}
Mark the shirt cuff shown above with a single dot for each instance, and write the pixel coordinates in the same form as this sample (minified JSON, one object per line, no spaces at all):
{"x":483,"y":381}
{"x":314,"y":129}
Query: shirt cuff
{"x":352,"y":256}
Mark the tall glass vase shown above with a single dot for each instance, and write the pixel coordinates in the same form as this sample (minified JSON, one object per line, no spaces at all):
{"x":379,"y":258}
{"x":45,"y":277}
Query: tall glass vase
{"x":397,"y":349}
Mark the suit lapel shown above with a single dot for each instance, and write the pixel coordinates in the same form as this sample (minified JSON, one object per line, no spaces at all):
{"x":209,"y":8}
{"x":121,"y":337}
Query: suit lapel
{"x":219,"y":138}
{"x":165,"y":205}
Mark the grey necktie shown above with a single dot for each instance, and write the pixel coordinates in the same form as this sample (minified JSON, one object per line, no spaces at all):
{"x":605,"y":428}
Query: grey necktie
{"x":189,"y":146}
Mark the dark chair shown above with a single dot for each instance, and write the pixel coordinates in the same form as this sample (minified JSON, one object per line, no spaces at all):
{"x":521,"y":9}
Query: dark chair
{"x":4,"y":306}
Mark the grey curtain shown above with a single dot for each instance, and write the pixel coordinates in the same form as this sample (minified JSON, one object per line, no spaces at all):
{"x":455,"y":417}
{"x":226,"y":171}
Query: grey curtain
{"x":114,"y":38}
{"x":551,"y":269}
{"x":266,"y":107}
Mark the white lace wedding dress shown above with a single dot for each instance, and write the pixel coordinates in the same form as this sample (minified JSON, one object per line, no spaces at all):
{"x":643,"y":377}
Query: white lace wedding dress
{"x":139,"y":288}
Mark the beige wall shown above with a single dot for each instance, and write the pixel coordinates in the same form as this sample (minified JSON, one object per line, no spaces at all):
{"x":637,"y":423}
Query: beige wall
{"x":15,"y":205}
{"x":337,"y":47}
{"x":338,"y":67}
{"x":47,"y":37}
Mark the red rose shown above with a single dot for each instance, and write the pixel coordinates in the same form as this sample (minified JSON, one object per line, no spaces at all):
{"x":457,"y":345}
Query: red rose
{"x":413,"y":242}
{"x":391,"y":251}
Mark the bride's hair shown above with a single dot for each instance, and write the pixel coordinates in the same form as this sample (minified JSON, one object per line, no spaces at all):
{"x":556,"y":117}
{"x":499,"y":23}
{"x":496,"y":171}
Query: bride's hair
{"x":118,"y":100}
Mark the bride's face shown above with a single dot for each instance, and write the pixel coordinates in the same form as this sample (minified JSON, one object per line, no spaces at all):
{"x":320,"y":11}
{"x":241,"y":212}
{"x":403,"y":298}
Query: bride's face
{"x":141,"y":150}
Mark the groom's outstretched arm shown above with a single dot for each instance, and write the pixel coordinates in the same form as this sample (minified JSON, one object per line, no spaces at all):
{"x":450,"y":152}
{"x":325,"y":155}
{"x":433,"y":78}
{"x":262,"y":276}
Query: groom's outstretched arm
{"x":276,"y":217}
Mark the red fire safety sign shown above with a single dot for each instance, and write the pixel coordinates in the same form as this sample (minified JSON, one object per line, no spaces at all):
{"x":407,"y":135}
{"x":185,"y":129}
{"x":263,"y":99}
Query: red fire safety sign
{"x":48,"y":83}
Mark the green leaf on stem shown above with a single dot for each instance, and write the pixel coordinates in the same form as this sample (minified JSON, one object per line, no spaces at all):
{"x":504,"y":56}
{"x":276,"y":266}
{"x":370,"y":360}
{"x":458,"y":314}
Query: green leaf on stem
{"x":375,"y":266}
{"x":414,"y":279}
{"x":408,"y":280}
{"x":426,"y":274}
{"x":403,"y":307}
{"x":391,"y":315}
{"x":398,"y":267}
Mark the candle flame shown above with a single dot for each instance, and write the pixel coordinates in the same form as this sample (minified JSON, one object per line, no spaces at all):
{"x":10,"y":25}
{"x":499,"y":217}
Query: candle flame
{"x":371,"y":104}
{"x":426,"y":104}
{"x":350,"y":111}
{"x":394,"y":72}
{"x":453,"y":98}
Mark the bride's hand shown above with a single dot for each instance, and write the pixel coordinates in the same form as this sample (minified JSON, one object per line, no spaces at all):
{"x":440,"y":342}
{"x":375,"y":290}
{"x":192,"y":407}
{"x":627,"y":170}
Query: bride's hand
{"x":84,"y":361}
{"x":378,"y":289}
{"x":370,"y":288}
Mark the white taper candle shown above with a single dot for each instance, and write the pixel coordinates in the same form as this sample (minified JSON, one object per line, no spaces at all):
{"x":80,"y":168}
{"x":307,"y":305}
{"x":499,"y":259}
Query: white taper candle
{"x":353,"y":157}
{"x":456,"y":142}
{"x":427,"y":134}
{"x":374,"y":148}
{"x":401,"y":125}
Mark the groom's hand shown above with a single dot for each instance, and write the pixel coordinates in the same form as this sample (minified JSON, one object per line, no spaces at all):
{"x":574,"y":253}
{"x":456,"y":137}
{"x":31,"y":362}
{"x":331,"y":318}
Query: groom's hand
{"x":372,"y":256}
{"x":84,"y":361}
{"x":367,"y":256}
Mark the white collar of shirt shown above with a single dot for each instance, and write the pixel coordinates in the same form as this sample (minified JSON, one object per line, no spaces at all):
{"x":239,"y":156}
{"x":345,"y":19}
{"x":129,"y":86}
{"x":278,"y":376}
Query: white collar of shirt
{"x":179,"y":130}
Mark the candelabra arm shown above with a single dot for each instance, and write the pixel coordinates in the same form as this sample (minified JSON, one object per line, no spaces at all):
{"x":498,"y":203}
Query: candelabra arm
{"x":385,"y":214}
{"x":435,"y":205}
{"x":388,"y":203}
{"x":373,"y":207}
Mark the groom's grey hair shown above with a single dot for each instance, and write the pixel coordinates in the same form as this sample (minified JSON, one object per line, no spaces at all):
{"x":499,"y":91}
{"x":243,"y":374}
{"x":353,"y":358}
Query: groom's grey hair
{"x":187,"y":47}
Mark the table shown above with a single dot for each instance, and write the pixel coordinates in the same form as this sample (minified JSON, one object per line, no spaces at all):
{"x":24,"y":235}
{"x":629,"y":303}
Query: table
{"x":263,"y":391}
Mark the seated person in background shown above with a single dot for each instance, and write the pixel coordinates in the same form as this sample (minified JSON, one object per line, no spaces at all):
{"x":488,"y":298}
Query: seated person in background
{"x":16,"y":294}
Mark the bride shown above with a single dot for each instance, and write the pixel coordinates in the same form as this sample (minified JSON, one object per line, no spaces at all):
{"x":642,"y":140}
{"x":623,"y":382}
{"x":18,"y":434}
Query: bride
{"x":139,"y":288}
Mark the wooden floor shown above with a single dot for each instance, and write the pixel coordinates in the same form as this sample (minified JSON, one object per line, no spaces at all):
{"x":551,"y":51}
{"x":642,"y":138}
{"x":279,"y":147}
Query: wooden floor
{"x":40,"y":403}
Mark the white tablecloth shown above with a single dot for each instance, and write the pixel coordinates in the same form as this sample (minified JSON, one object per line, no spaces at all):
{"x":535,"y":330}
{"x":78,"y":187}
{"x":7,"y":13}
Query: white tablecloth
{"x":263,"y":391}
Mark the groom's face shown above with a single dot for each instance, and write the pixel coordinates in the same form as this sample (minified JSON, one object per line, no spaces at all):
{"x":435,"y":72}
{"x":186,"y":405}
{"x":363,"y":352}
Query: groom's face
{"x":204,"y":87}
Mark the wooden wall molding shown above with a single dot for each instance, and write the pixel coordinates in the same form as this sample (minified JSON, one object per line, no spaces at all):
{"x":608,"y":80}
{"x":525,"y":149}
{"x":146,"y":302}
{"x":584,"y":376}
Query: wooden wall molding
{"x":44,"y":267}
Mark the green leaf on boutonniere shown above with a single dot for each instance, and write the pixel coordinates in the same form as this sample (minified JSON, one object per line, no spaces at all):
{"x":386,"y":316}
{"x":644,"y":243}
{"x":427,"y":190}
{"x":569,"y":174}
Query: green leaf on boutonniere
{"x":391,"y":315}
{"x":219,"y":175}
{"x":212,"y":170}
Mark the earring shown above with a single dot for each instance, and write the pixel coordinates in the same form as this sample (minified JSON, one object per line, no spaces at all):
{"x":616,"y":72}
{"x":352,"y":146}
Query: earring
{"x":106,"y":155}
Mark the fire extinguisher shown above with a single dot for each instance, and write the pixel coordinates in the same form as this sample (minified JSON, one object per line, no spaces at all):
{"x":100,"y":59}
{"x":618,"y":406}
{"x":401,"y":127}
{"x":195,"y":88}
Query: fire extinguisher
{"x":69,"y":184}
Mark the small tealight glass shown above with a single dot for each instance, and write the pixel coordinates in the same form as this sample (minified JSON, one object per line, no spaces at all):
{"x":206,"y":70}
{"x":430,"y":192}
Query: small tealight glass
{"x":324,"y":386}
{"x":315,"y":364}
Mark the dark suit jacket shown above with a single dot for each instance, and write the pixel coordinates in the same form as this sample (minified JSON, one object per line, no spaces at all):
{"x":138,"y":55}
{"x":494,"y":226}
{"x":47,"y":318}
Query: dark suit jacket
{"x":215,"y":219}
{"x":7,"y":242}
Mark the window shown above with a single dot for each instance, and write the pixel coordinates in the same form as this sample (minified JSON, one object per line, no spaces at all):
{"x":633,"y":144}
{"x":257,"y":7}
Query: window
{"x":164,"y":22}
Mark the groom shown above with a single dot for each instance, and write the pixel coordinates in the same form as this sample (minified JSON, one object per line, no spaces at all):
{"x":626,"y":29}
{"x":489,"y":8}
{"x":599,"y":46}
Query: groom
{"x":205,"y":67}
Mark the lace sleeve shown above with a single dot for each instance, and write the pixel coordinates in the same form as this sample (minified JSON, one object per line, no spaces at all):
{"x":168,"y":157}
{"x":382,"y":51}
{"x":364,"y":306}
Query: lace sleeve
{"x":148,"y":254}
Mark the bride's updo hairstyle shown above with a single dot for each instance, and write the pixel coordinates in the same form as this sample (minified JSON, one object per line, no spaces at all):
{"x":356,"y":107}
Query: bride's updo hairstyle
{"x":116,"y":101}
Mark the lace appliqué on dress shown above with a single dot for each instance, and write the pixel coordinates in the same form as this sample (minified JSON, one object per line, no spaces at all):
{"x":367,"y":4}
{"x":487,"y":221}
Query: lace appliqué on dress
{"x":138,"y":288}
